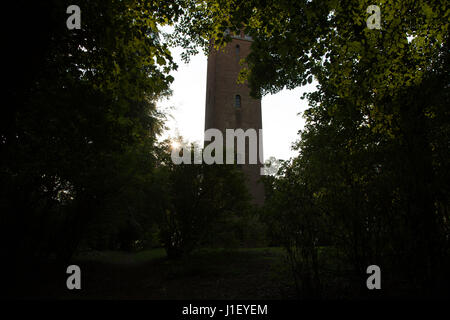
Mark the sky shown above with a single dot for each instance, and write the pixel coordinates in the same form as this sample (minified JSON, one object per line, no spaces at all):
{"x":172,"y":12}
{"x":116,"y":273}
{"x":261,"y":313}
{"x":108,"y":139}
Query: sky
{"x":280,"y":112}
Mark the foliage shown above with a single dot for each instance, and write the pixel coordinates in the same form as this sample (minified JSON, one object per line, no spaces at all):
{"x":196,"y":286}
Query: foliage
{"x":199,"y":203}
{"x":373,"y":165}
{"x":77,"y":136}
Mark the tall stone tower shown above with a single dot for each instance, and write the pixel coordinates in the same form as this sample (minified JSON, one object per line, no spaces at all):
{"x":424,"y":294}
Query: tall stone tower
{"x":230,"y":106}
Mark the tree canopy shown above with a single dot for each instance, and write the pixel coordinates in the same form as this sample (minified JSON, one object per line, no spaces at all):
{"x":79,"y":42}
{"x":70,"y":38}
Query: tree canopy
{"x":371,"y":177}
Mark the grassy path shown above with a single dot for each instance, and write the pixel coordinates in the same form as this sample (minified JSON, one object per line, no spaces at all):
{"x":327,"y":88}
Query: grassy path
{"x":255,"y":273}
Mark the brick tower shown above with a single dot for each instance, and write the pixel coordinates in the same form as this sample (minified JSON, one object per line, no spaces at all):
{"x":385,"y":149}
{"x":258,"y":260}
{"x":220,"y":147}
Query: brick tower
{"x":230,"y":106}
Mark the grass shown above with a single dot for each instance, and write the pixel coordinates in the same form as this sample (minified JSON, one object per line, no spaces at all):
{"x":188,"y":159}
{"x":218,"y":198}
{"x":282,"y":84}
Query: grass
{"x":244,"y":273}
{"x":121,"y":257}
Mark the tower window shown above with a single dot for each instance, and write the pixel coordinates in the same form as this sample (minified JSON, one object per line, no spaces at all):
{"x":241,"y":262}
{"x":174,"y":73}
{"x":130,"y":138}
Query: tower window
{"x":237,"y":101}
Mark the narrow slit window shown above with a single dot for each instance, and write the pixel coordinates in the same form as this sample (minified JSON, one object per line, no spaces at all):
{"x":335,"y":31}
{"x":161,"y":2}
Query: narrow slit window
{"x":237,"y":102}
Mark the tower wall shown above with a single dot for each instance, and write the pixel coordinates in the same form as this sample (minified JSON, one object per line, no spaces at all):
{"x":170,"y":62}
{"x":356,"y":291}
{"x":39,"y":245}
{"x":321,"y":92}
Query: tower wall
{"x":221,"y":111}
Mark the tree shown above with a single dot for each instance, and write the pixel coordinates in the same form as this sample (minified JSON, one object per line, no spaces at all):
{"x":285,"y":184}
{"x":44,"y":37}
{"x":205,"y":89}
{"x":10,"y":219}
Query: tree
{"x":374,"y":146}
{"x":198,"y":202}
{"x":81,"y":124}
